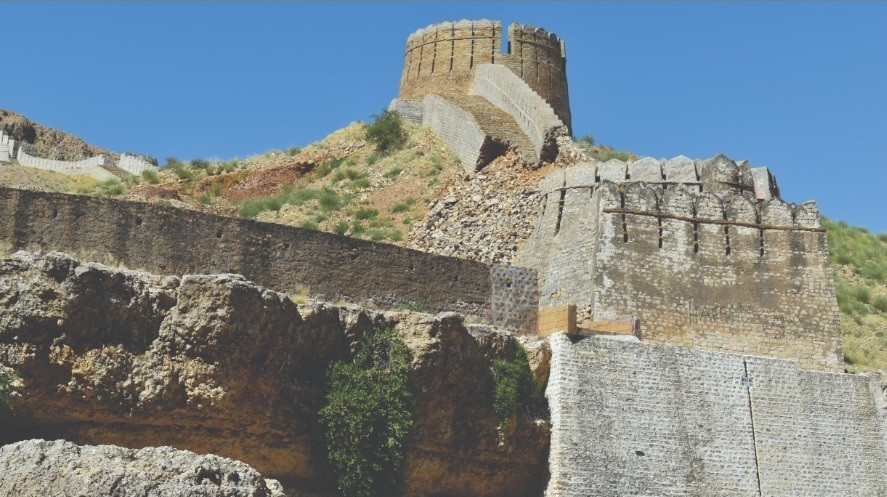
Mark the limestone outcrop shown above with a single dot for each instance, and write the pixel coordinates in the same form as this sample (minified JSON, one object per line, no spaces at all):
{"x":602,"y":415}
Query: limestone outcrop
{"x":38,"y":468}
{"x":216,"y":364}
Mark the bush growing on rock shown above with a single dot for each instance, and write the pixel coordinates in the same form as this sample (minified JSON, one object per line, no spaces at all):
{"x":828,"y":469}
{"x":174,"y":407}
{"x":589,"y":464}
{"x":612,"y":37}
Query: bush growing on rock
{"x":7,"y":390}
{"x":368,"y":415}
{"x":514,"y":386}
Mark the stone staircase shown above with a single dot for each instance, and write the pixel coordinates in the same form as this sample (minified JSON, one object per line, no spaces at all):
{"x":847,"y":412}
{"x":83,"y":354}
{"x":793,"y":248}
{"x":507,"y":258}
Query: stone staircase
{"x":498,"y":124}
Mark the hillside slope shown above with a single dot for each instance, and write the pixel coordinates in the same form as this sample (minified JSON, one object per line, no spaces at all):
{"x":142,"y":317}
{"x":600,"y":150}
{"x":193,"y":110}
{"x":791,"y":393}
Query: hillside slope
{"x":859,"y":259}
{"x":48,"y":142}
{"x":420,"y":196}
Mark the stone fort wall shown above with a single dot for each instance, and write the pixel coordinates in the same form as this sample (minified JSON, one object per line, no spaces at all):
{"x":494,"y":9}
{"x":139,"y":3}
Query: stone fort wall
{"x":92,"y":167}
{"x":441,"y":59}
{"x":168,"y":240}
{"x":632,"y":419}
{"x":693,"y":253}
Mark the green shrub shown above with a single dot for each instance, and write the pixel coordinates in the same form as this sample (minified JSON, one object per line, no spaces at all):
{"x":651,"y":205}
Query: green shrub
{"x":151,"y":176}
{"x":376,"y":234}
{"x":366,"y":213}
{"x":341,"y":228}
{"x":585,"y":140}
{"x":403,"y":206}
{"x":329,"y":200}
{"x":368,"y":415}
{"x":360,"y":184}
{"x":514,"y":388}
{"x":327,"y":167}
{"x":357,"y":229}
{"x":293,"y":151}
{"x":347,"y":173}
{"x":393,"y":172}
{"x":7,"y":391}
{"x":309,"y":225}
{"x":205,"y":198}
{"x":862,"y":294}
{"x":110,"y":187}
{"x":387,"y":132}
{"x":182,"y":173}
{"x":199,"y":164}
{"x":173,"y":162}
{"x":880,"y":303}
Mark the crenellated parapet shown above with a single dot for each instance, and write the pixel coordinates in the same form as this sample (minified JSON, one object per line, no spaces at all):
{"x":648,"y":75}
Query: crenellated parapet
{"x":703,"y":257}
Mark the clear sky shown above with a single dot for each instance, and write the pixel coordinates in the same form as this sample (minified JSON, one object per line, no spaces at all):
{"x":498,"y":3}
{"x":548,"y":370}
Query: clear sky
{"x":798,"y":87}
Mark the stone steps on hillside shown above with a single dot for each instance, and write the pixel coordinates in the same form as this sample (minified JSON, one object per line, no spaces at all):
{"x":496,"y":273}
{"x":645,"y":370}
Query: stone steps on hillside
{"x":498,"y":124}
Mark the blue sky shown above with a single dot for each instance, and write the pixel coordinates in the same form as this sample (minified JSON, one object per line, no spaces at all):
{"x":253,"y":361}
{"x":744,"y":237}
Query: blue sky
{"x":798,"y":87}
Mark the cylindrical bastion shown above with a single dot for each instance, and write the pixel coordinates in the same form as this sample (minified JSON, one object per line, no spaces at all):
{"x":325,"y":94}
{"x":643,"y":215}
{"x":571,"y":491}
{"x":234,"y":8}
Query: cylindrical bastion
{"x":440,"y":60}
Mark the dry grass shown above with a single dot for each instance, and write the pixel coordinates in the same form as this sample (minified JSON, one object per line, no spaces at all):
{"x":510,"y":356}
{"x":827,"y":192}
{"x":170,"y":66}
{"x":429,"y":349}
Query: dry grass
{"x":340,"y":184}
{"x":28,"y":177}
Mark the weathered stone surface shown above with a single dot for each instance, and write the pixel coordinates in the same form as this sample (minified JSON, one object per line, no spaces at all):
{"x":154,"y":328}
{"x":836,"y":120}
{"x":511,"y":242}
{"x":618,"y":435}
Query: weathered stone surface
{"x":715,"y":269}
{"x":631,"y":419}
{"x":216,"y":364}
{"x":440,"y":59}
{"x":167,"y":240}
{"x":39,"y":468}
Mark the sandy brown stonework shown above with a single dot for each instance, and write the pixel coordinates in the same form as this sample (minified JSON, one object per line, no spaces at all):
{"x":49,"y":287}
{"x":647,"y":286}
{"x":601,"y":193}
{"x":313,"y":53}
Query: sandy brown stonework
{"x":716,"y":269}
{"x":216,"y":364}
{"x":169,"y":240}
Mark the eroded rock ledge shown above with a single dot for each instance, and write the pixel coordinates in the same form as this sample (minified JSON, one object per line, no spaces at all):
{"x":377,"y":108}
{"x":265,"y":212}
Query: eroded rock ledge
{"x":216,"y":364}
{"x":38,"y":468}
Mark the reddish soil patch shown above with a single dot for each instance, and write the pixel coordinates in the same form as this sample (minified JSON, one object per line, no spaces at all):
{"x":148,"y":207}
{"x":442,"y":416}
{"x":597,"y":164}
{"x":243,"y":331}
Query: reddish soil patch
{"x":268,"y":181}
{"x":227,"y":181}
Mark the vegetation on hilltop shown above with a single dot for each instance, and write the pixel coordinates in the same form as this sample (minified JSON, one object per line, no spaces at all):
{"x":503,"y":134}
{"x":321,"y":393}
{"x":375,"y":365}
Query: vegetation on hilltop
{"x":859,"y":259}
{"x":603,"y":153}
{"x":369,"y":181}
{"x":374,"y":181}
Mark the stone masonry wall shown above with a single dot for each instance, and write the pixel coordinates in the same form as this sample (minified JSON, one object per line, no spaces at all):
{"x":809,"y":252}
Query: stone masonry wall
{"x":7,"y":147}
{"x":533,"y":114}
{"x":440,"y":59}
{"x":540,"y":59}
{"x":632,"y":419}
{"x":135,"y":164}
{"x":714,"y":269}
{"x":174,"y":241}
{"x":457,"y":128}
{"x":91,"y":167}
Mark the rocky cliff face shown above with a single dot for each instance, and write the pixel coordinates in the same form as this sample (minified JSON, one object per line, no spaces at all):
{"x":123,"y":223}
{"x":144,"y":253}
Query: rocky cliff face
{"x":215,"y":364}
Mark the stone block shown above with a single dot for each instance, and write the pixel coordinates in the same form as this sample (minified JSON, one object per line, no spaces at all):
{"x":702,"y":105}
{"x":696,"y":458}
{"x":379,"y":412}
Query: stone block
{"x":646,"y":169}
{"x":556,"y":319}
{"x":680,"y":169}
{"x":625,"y":325}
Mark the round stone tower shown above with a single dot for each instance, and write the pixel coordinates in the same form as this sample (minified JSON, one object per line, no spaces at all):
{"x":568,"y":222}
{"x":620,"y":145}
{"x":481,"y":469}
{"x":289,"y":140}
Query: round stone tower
{"x":440,"y":60}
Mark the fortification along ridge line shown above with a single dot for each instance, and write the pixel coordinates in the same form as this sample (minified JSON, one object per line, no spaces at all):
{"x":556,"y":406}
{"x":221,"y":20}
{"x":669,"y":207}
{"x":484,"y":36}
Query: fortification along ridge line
{"x":168,"y":240}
